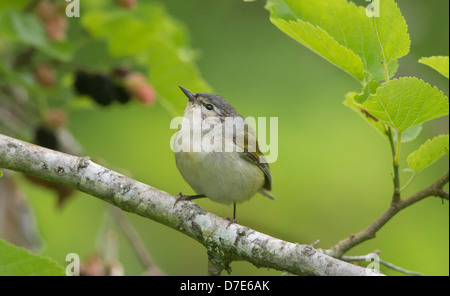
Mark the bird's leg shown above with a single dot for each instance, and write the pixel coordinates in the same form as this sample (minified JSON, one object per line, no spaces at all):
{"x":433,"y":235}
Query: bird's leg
{"x":187,"y":197}
{"x":231,"y":221}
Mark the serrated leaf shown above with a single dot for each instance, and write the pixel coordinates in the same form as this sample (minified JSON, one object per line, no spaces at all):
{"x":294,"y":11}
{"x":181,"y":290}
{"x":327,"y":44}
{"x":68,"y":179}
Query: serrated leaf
{"x":319,"y":41}
{"x":438,"y":63}
{"x":406,"y":102}
{"x":428,"y":153}
{"x":344,"y":22}
{"x":372,"y":121}
{"x":410,"y":134}
{"x":369,"y":89}
{"x":391,"y":30}
{"x":15,"y":261}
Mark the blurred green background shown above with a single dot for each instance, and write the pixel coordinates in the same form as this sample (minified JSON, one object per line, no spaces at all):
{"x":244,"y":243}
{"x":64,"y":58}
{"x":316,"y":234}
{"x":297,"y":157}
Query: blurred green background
{"x":332,"y":176}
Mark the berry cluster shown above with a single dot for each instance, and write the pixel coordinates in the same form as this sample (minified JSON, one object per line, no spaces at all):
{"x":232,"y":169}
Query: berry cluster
{"x":100,"y":88}
{"x":121,"y":86}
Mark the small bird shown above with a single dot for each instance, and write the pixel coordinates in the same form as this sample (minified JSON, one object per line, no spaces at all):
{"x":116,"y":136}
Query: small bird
{"x":219,"y":174}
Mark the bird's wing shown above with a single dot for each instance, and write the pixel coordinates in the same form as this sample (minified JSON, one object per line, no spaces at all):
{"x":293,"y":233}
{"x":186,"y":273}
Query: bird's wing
{"x":250,"y":152}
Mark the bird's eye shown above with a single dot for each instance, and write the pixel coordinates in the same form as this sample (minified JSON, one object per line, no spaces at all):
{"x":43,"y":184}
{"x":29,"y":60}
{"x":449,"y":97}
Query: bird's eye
{"x":209,"y":106}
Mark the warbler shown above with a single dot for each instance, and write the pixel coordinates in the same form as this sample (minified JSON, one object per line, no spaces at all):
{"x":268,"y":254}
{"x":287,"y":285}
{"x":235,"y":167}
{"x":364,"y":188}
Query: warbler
{"x":227,"y":166}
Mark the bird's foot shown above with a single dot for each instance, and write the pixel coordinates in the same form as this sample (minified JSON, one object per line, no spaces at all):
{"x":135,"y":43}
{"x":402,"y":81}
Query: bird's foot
{"x":181,"y":196}
{"x":230,"y":221}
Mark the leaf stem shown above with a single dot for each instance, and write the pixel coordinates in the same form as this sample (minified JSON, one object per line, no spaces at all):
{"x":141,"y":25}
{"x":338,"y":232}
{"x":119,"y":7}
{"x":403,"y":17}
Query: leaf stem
{"x":396,"y":156}
{"x":391,"y":139}
{"x":396,"y":196}
{"x":408,"y":182}
{"x":397,"y":153}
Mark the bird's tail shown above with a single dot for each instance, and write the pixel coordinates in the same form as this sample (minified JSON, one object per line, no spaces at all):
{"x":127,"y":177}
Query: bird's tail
{"x":266,"y":193}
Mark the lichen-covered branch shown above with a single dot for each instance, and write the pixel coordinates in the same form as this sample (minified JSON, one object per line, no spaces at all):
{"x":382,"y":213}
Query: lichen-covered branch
{"x":224,"y":244}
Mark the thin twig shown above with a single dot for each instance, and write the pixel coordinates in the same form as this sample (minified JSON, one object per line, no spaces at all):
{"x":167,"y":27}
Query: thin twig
{"x":314,"y":244}
{"x":408,"y":182}
{"x":135,"y":241}
{"x":369,"y":257}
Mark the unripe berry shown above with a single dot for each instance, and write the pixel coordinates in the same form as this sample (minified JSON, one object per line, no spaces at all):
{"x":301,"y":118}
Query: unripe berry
{"x":45,"y":75}
{"x":53,"y":18}
{"x":56,"y":28}
{"x":135,"y":79}
{"x":138,"y":86}
{"x":127,"y":4}
{"x":145,"y":94}
{"x":45,"y":10}
{"x":55,"y":119}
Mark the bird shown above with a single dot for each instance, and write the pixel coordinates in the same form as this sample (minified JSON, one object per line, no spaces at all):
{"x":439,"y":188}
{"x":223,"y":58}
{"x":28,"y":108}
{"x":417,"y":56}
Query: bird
{"x":230,"y":168}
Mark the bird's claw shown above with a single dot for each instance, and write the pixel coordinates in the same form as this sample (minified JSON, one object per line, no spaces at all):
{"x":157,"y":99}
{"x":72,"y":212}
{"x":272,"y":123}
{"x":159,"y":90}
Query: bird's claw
{"x":180,"y":197}
{"x":230,"y":221}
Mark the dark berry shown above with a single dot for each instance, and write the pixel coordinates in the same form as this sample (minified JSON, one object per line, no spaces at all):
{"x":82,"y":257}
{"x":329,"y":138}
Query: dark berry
{"x":46,"y":138}
{"x":83,"y":83}
{"x":122,"y":94}
{"x":103,"y":90}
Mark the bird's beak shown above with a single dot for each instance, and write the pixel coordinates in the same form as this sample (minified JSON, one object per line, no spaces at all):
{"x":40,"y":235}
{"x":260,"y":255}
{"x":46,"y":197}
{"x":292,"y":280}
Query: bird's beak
{"x":188,"y":94}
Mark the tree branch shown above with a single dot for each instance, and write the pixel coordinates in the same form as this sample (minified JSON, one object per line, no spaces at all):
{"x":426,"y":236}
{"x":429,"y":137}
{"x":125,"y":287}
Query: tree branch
{"x":368,"y":233}
{"x":224,"y":244}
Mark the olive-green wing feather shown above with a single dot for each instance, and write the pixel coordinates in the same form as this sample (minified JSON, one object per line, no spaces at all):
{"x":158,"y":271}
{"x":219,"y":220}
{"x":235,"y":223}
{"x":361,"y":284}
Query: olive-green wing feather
{"x":256,"y":157}
{"x":250,"y":152}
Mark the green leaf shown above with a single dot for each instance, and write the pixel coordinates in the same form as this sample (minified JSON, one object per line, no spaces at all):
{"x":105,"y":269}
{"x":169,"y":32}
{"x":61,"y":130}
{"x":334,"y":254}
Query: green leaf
{"x":438,"y":63}
{"x":320,"y":42}
{"x":391,"y":30}
{"x":405,"y":102}
{"x":15,"y":261}
{"x":369,"y":89}
{"x":1,"y":173}
{"x":410,"y":134}
{"x":27,"y":29}
{"x":372,"y":121}
{"x":428,"y":153}
{"x":323,"y":25}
